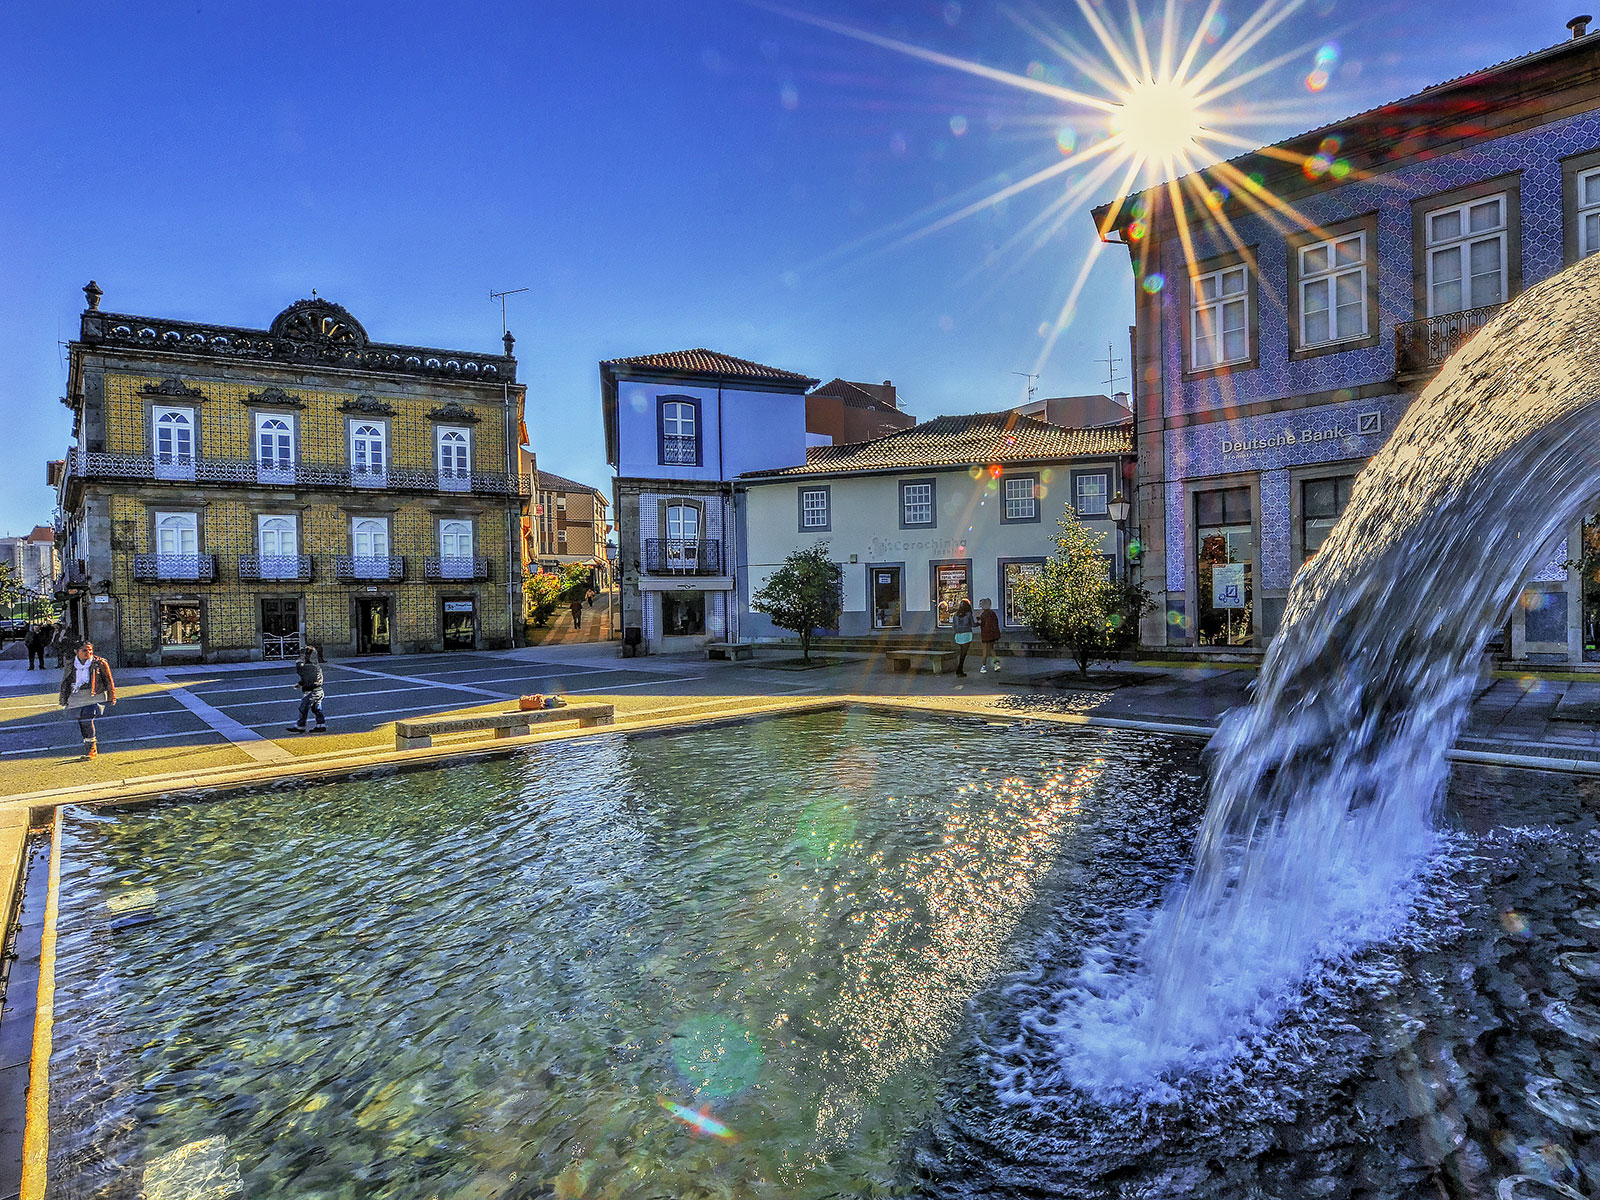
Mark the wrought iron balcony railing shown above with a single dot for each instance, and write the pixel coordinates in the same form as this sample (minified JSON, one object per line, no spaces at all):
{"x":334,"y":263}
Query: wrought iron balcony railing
{"x":247,"y":471}
{"x":388,"y":568}
{"x":176,"y":568}
{"x":677,"y":450}
{"x":682,"y":556}
{"x":264,"y":568}
{"x":1421,"y":347}
{"x":441,"y":568}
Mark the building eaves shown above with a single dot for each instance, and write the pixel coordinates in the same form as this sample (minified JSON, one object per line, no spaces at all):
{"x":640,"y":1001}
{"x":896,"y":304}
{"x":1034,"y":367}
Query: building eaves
{"x":708,"y":363}
{"x":550,"y":482}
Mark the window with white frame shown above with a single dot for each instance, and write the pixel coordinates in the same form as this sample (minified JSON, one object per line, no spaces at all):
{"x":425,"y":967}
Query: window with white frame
{"x":455,"y":458}
{"x":369,"y":539}
{"x":1089,"y":494}
{"x":1219,"y":318}
{"x":916,"y":504}
{"x":1333,"y":290}
{"x":683,"y":537}
{"x":274,"y":447}
{"x":1588,"y":189}
{"x":455,"y":549}
{"x":278,"y":543}
{"x":1022,"y":502}
{"x":173,"y":438}
{"x":369,"y":453}
{"x":177,"y":535}
{"x":814,"y":508}
{"x":1466,"y":255}
{"x":679,"y":433}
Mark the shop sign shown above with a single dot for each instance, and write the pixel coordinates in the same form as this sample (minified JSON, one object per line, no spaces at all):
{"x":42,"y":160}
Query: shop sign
{"x":102,"y":599}
{"x":1366,"y":424}
{"x":1227,"y":586}
{"x":458,"y":606}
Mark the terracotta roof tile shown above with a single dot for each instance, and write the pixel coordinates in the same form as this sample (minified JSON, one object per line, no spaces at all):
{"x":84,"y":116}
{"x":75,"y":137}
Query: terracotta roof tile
{"x":557,"y":483}
{"x":710,"y":362}
{"x":981,"y":438}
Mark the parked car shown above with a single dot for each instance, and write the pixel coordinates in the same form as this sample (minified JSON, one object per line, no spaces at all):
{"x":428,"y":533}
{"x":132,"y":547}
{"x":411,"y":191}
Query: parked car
{"x":12,"y":628}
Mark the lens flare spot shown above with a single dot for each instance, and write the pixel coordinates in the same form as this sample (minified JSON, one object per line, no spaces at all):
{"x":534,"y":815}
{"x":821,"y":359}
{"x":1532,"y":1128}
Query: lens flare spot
{"x":1317,"y":80}
{"x":1137,"y":230}
{"x":1327,"y":55}
{"x":1215,"y":28}
{"x":1035,"y":70}
{"x":716,"y":1055}
{"x":789,"y":96}
{"x":952,"y":13}
{"x":1514,"y":923}
{"x":958,"y":125}
{"x":1340,"y":168}
{"x":1154,"y":282}
{"x":1066,"y":139}
{"x":898,"y":144}
{"x":701,"y":1120}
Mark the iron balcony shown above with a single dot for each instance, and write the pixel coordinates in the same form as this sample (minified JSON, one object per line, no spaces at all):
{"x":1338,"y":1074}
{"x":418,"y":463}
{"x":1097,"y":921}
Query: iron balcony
{"x":269,"y":568}
{"x":438,"y":568}
{"x":388,"y":568}
{"x":247,"y":472}
{"x":683,"y":556}
{"x":1421,"y":347}
{"x":176,"y":568}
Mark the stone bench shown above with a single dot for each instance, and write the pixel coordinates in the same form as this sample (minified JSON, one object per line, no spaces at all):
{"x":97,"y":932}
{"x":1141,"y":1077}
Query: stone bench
{"x":909,"y":660}
{"x":737,"y":651}
{"x":418,"y":735}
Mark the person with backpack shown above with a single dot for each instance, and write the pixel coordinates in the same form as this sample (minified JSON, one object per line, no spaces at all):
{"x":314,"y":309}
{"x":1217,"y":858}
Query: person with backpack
{"x":989,"y":633}
{"x":310,"y":685}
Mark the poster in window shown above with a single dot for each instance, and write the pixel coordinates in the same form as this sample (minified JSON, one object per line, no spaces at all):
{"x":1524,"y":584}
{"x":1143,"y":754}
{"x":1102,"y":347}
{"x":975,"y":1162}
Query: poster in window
{"x":952,"y":585}
{"x":1015,"y":573}
{"x":1227,"y":586}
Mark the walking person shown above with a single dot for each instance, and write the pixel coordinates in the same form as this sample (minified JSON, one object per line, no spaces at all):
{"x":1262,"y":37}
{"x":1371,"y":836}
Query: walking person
{"x":86,"y":689}
{"x":59,"y":641}
{"x":36,"y":639}
{"x":989,"y":633}
{"x":577,"y":612}
{"x":310,"y":685}
{"x":963,"y":624}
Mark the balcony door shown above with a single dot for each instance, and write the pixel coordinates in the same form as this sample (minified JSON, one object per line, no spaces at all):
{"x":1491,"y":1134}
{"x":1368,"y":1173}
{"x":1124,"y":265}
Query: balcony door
{"x":274,"y":448}
{"x":279,"y":542}
{"x":455,"y":458}
{"x":174,"y":442}
{"x":369,"y":460}
{"x":683,"y":537}
{"x":369,"y":538}
{"x":455,"y":549}
{"x":177,"y":546}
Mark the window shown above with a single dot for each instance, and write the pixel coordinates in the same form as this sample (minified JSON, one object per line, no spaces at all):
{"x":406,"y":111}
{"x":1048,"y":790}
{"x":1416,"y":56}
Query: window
{"x":561,"y":503}
{"x":277,"y":539}
{"x":369,"y":539}
{"x":1322,"y":503}
{"x":814,"y":510}
{"x":1089,"y":493}
{"x":1224,"y":543}
{"x":177,"y":534}
{"x":274,"y":448}
{"x":680,"y":433}
{"x":916,"y":503}
{"x":180,"y":624}
{"x":174,"y":442}
{"x":952,"y":583}
{"x":1333,"y":290}
{"x":1012,"y":573}
{"x":1588,"y":213}
{"x":455,"y":459}
{"x":1219,"y":318}
{"x":1466,"y":255}
{"x":455,"y":549}
{"x":369,"y":459}
{"x":1022,"y":498}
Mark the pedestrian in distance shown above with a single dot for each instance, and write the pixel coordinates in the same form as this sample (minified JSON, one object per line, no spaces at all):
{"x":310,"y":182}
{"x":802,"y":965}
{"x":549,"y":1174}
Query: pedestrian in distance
{"x":36,"y":639}
{"x":310,"y":685}
{"x":989,"y":633}
{"x":577,"y":612}
{"x":86,"y":690}
{"x":963,"y":624}
{"x":60,"y":644}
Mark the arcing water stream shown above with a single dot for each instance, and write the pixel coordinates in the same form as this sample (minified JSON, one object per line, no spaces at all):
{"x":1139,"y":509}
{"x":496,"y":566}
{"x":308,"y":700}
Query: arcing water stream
{"x":1319,"y":845}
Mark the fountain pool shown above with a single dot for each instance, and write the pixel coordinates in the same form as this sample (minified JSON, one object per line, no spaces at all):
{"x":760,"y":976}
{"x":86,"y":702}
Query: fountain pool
{"x":806,"y":957}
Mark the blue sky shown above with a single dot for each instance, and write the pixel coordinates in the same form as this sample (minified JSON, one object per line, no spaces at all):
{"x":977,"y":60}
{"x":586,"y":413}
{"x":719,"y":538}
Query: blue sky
{"x":660,"y":173}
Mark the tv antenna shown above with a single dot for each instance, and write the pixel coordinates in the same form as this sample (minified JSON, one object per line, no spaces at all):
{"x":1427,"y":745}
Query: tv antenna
{"x":1111,"y":369}
{"x":501,"y":296}
{"x":1030,"y":376}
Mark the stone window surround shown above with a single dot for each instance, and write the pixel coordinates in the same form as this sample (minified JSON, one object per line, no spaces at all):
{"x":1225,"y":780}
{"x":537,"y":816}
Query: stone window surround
{"x":1366,"y":223}
{"x":872,"y":609}
{"x":1191,"y":550}
{"x":153,"y":526}
{"x":1078,"y":473}
{"x":1571,"y":167}
{"x":1000,"y":587}
{"x":1509,"y":185}
{"x":1221,"y":262}
{"x":1309,"y":474}
{"x":352,"y":423}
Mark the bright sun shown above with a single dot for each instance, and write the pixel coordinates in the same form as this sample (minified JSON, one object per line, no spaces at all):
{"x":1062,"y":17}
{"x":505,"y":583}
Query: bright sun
{"x":1159,"y":120}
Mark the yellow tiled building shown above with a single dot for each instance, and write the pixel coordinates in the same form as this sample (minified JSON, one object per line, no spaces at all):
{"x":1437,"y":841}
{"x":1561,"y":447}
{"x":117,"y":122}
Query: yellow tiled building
{"x":236,"y":494}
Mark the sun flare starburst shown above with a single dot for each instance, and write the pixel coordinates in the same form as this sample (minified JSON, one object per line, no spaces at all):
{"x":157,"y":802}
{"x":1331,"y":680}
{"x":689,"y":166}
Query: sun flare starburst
{"x":1157,"y":106}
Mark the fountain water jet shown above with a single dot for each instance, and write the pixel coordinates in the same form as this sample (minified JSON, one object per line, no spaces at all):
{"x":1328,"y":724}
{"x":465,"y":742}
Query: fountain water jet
{"x":1323,"y":792}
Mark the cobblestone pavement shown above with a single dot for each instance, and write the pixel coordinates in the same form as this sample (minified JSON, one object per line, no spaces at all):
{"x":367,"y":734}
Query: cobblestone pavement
{"x":194,"y":718}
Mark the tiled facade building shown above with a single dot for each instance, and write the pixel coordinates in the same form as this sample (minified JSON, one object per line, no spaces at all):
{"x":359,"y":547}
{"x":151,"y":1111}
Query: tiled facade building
{"x":1273,"y":361}
{"x":235,"y":494}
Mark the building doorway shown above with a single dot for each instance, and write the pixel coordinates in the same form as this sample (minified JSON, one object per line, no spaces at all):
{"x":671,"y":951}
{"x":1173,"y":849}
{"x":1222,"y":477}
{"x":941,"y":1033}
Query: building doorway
{"x":1225,"y":553}
{"x":460,"y":623}
{"x":280,"y":627}
{"x":372,"y":625}
{"x":683,"y":614}
{"x":887,"y":597}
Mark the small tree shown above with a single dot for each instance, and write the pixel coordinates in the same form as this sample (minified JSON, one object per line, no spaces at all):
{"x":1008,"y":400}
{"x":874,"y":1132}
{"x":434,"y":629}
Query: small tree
{"x":10,"y":588}
{"x":1071,"y":600}
{"x":541,"y":593}
{"x":805,"y":594}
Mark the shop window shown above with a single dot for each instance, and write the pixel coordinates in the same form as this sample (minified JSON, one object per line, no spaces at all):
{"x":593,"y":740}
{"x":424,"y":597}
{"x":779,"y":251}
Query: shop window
{"x":180,"y":624}
{"x":1011,"y":575}
{"x":683,"y":614}
{"x":952,"y":583}
{"x":1224,"y":545}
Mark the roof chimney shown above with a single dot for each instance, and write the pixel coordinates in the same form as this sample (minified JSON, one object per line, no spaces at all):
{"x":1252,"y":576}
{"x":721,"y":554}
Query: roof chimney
{"x":1579,"y":26}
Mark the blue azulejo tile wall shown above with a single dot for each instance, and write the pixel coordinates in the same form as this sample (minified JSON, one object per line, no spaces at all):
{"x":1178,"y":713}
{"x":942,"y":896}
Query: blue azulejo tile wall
{"x":1534,"y":156}
{"x":1269,"y":445}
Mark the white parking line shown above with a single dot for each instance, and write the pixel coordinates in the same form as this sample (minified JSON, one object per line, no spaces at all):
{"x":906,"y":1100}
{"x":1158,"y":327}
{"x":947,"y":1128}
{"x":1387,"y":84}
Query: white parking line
{"x":143,"y":737}
{"x":248,"y":740}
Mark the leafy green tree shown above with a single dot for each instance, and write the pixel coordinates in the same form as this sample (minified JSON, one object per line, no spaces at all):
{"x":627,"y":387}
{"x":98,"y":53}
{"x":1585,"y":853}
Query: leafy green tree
{"x":11,"y":589}
{"x":804,"y":595}
{"x":1072,"y":602}
{"x":541,"y":593}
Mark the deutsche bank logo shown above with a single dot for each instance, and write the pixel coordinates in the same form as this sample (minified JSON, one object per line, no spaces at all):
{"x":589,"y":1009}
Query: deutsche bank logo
{"x":1369,"y":422}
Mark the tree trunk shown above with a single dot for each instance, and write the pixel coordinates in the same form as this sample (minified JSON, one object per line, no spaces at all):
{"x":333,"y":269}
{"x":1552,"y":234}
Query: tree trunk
{"x":805,"y":646}
{"x":1081,"y":653}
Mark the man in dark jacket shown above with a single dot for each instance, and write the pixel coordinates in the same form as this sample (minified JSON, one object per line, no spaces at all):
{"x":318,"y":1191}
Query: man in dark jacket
{"x":36,"y":639}
{"x":310,"y":685}
{"x":989,"y":634}
{"x":84,"y":680}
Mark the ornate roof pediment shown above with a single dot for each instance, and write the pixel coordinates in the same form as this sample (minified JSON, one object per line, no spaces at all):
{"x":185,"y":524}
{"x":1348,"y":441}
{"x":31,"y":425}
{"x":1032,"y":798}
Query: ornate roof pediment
{"x":172,"y":387}
{"x":275,"y":398}
{"x":368,"y":406}
{"x":454,"y":413}
{"x":318,"y":320}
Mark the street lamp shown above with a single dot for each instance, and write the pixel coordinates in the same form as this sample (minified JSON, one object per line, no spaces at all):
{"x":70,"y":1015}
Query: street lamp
{"x":1117,"y":510}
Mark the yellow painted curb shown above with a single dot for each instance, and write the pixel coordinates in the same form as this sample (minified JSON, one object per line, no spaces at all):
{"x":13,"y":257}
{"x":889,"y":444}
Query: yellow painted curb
{"x":36,"y":1136}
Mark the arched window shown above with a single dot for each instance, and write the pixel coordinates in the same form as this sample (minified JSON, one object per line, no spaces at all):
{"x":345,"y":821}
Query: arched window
{"x":368,"y":453}
{"x":274,"y":443}
{"x":177,"y":534}
{"x":370,"y":536}
{"x":455,"y":460}
{"x":455,"y":549}
{"x":683,"y":521}
{"x":277,"y":537}
{"x":680,"y":432}
{"x":174,"y":442}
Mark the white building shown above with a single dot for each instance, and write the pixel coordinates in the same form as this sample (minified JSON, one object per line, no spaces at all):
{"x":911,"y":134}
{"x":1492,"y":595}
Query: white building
{"x":680,"y":428}
{"x":32,"y":558}
{"x":956,"y":507}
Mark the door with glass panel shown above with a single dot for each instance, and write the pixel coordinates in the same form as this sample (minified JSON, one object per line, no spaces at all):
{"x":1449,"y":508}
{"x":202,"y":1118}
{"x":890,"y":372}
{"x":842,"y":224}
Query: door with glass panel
{"x":683,"y":537}
{"x":174,"y":442}
{"x":1225,"y":554}
{"x":455,"y":472}
{"x":455,"y":549}
{"x":274,"y":449}
{"x":369,"y":460}
{"x":887,"y":597}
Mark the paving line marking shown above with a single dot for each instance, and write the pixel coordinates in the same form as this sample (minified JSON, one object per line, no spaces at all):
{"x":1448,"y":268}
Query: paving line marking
{"x":454,"y":687}
{"x":247,"y":739}
{"x":143,"y":737}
